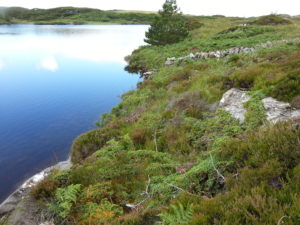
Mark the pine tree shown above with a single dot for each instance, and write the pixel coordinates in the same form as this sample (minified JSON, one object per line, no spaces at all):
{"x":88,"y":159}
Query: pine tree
{"x":168,"y":27}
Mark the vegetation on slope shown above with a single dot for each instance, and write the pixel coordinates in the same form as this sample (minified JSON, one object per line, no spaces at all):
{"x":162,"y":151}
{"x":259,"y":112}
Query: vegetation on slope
{"x":167,"y":155}
{"x":70,"y":15}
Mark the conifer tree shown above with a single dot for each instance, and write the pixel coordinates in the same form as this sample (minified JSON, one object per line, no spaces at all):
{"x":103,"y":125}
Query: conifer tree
{"x":168,"y":27}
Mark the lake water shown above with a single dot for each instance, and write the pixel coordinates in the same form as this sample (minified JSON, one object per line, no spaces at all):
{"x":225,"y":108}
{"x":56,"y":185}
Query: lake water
{"x":55,"y":81}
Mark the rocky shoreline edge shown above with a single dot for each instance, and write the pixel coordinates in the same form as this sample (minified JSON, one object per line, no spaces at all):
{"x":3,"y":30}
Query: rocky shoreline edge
{"x":13,"y":200}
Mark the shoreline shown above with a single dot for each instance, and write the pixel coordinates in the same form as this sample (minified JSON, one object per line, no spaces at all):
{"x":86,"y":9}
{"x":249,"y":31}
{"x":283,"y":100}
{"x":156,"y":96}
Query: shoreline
{"x":11,"y":202}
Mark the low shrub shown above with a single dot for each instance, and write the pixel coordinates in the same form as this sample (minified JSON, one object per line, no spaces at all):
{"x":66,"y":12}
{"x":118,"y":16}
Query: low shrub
{"x":279,"y":79}
{"x":45,"y":189}
{"x":193,"y":23}
{"x":87,"y":143}
{"x":271,"y":20}
{"x":255,"y":115}
{"x":296,"y":102}
{"x":279,"y":142}
{"x":243,"y":32}
{"x":190,"y":103}
{"x":139,"y":136}
{"x":65,"y":198}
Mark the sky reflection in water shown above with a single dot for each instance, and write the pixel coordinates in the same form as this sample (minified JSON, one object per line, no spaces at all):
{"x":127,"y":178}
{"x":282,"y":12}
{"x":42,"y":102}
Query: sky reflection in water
{"x":55,"y":81}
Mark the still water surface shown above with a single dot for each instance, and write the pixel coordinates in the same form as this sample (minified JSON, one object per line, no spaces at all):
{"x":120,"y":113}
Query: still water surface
{"x":55,"y":81}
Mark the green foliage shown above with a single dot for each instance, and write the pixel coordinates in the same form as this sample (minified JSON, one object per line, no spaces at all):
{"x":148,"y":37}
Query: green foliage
{"x":261,"y":180}
{"x":276,"y":142}
{"x":139,"y":136}
{"x":255,"y":115}
{"x":243,"y":32}
{"x":210,"y":133}
{"x":65,"y":198}
{"x":4,"y":220}
{"x":177,"y":214}
{"x":279,"y":79}
{"x":271,"y":20}
{"x":100,"y":214}
{"x":168,"y":26}
{"x":86,"y":144}
{"x":193,"y":23}
{"x":296,"y":102}
{"x":45,"y":188}
{"x":169,"y":150}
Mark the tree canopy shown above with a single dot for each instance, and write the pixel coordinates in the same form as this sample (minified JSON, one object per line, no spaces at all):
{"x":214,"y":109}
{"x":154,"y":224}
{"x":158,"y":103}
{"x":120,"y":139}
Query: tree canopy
{"x":168,"y":27}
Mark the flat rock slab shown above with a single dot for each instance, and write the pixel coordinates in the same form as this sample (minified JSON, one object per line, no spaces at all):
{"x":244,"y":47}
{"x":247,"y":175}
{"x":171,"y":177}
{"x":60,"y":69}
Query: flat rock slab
{"x":233,"y":101}
{"x":279,"y":111}
{"x":18,"y":202}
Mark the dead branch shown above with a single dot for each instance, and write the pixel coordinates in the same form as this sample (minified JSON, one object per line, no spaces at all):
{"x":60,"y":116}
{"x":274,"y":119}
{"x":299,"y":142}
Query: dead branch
{"x":215,"y":168}
{"x":281,"y":219}
{"x":180,"y":189}
{"x":146,"y":193}
{"x":155,"y":141}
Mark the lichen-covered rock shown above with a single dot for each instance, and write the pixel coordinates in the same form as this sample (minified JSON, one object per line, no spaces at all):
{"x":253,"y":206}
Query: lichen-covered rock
{"x":234,"y":99}
{"x":279,"y":111}
{"x":232,"y":102}
{"x":170,"y":61}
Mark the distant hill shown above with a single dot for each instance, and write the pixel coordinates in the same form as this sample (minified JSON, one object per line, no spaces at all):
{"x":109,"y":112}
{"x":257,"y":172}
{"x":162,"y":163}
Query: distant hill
{"x":72,"y":15}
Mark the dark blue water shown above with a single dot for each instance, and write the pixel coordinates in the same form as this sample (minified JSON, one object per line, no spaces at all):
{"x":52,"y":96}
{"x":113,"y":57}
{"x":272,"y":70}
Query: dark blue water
{"x":55,"y":82}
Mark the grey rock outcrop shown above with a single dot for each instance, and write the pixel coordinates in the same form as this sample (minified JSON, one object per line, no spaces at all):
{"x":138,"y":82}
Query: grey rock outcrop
{"x":234,"y":99}
{"x":232,"y":102}
{"x":279,"y":111}
{"x":19,"y":207}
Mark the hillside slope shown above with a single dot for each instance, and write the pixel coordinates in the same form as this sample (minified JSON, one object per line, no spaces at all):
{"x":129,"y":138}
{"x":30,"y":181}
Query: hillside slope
{"x":168,"y":154}
{"x":71,"y":15}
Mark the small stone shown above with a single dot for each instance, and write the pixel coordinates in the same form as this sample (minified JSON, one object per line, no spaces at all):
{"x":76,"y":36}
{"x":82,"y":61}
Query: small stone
{"x":47,"y":223}
{"x":170,"y":61}
{"x":192,"y":56}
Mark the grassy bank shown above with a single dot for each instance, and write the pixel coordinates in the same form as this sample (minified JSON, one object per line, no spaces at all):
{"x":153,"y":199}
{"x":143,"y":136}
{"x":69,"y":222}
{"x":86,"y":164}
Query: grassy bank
{"x":167,"y":155}
{"x":70,"y":15}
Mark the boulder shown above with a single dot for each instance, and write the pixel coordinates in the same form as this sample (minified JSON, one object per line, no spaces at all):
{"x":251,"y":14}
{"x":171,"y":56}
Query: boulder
{"x":279,"y":111}
{"x":232,"y":102}
{"x":170,"y":61}
{"x":234,"y":99}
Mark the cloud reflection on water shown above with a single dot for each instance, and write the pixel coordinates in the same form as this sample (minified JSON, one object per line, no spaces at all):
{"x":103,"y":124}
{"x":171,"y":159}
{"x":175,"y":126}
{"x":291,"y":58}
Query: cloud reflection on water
{"x":101,"y":43}
{"x":2,"y":64}
{"x":49,"y":63}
